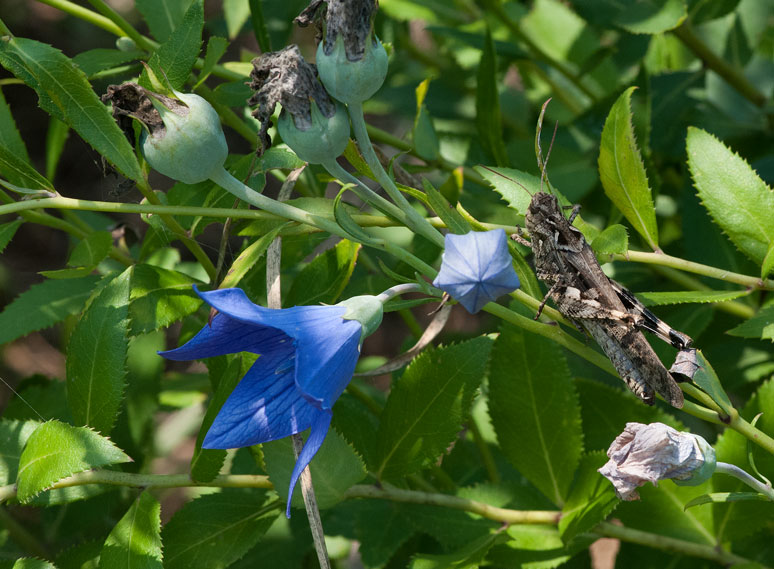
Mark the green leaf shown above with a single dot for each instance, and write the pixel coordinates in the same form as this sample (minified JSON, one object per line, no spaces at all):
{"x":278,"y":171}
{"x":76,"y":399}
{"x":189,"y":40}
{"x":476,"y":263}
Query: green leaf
{"x":89,"y":252}
{"x":654,"y":17}
{"x":163,"y":16}
{"x":466,"y":556}
{"x":32,"y":563}
{"x":424,"y":136}
{"x":135,"y":541}
{"x":759,"y":326}
{"x":56,"y":450}
{"x":236,"y":13}
{"x":21,"y":173}
{"x":96,"y":357}
{"x":708,"y":381}
{"x":535,"y":410}
{"x":622,"y":172}
{"x":249,"y":257}
{"x":13,"y":437}
{"x":734,"y":195}
{"x":605,"y":410}
{"x":689,"y":296}
{"x":488,"y":119}
{"x":64,"y":92}
{"x":160,"y":297}
{"x":7,"y":231}
{"x":10,"y":138}
{"x":44,"y":305}
{"x":450,"y":216}
{"x":215,"y":530}
{"x":175,"y":58}
{"x":335,"y":468}
{"x":101,"y":59}
{"x":216,"y":47}
{"x":535,"y":547}
{"x":324,"y":279}
{"x":613,"y":240}
{"x":56,"y":137}
{"x":591,"y":498}
{"x":726,"y":497}
{"x":357,"y":424}
{"x":427,"y":406}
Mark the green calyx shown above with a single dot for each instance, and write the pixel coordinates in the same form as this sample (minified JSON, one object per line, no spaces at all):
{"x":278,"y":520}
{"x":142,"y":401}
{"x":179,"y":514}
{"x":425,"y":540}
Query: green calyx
{"x":352,"y":81}
{"x":706,"y":470}
{"x":191,"y":146}
{"x":367,"y":310}
{"x":325,"y":140}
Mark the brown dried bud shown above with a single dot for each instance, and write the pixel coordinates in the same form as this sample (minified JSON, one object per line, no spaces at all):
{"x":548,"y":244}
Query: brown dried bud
{"x":352,"y":19}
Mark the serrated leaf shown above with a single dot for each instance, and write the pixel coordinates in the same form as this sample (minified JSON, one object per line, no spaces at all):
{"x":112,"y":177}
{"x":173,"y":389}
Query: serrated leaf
{"x":622,"y":172}
{"x":689,"y":296}
{"x":535,"y":410}
{"x":13,"y":437}
{"x":216,"y":47}
{"x":21,"y":174}
{"x":56,"y":450}
{"x":32,"y":563}
{"x":708,"y":381}
{"x":488,"y":119}
{"x":44,"y":305}
{"x":163,"y":16}
{"x":249,"y":257}
{"x":427,"y":406}
{"x":468,"y":556}
{"x":734,"y":195}
{"x":768,"y":262}
{"x":101,"y":59}
{"x":64,"y":92}
{"x":605,"y":410}
{"x":175,"y":58}
{"x":90,"y":251}
{"x":215,"y":530}
{"x":613,"y":240}
{"x":535,"y":547}
{"x":591,"y":498}
{"x":335,"y":468}
{"x":96,"y":357}
{"x":135,"y":541}
{"x":357,"y":424}
{"x":7,"y":231}
{"x":324,"y":279}
{"x":759,"y":326}
{"x":9,"y":134}
{"x":56,"y":137}
{"x":160,"y":297}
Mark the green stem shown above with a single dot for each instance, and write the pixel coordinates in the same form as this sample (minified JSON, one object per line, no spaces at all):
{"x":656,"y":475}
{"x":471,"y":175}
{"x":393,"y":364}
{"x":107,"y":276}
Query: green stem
{"x":697,"y":268}
{"x":126,"y":28}
{"x":751,"y":433}
{"x":730,"y":73}
{"x":365,"y":193}
{"x":417,"y":222}
{"x":669,"y":544}
{"x":189,"y":242}
{"x":739,"y":474}
{"x":504,"y":515}
{"x":86,"y":15}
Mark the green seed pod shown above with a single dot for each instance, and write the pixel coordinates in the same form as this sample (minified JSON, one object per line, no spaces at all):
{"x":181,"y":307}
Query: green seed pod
{"x":191,"y":145}
{"x":352,"y":81}
{"x":325,"y":139}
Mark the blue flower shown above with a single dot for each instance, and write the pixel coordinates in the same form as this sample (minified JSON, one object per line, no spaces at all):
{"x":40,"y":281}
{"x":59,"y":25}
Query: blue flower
{"x":307,"y":357}
{"x":476,"y":268}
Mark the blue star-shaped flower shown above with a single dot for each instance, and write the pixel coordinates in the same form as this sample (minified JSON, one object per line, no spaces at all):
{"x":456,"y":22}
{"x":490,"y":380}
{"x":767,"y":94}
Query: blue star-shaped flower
{"x":307,"y":358}
{"x":476,"y":268}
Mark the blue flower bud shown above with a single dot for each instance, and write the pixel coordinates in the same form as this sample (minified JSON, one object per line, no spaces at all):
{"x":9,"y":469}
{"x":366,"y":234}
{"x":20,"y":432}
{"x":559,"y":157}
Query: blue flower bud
{"x":191,"y":146}
{"x":476,"y":268}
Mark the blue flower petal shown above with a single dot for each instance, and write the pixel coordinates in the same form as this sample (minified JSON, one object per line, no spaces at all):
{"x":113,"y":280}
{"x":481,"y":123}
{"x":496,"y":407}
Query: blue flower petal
{"x":321,"y":422}
{"x":476,"y":268}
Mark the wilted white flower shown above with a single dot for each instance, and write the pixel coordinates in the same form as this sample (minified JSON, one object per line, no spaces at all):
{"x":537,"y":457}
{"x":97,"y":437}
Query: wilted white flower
{"x":649,"y":453}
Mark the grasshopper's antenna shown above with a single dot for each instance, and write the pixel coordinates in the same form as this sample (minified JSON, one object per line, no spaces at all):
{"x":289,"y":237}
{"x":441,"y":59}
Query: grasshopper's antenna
{"x":543,"y":164}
